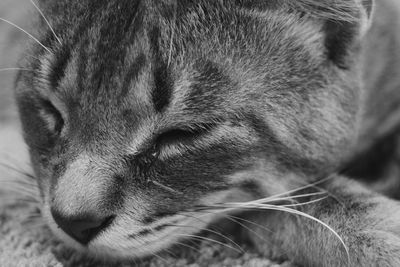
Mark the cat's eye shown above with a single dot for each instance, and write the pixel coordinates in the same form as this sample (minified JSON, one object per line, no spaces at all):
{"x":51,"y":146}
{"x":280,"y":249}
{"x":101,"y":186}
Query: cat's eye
{"x":183,"y":135}
{"x":52,"y":117}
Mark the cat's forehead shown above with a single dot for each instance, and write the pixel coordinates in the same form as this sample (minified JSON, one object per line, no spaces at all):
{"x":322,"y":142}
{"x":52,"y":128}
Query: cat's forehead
{"x":181,"y":65}
{"x":137,"y":79}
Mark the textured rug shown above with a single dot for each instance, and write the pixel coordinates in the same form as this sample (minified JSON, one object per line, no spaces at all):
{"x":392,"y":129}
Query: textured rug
{"x":24,"y":238}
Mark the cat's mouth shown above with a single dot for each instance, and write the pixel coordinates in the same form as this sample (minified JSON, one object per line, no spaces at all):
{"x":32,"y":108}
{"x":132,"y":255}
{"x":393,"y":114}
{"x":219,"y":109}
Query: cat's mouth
{"x":127,"y":238}
{"x":124,"y":239}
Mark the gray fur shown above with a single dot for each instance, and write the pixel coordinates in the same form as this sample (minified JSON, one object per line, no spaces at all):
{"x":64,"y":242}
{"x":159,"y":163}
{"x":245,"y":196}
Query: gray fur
{"x":168,"y":105}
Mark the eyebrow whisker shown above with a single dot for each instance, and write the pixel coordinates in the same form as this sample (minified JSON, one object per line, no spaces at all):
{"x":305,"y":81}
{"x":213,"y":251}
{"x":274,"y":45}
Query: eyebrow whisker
{"x":45,"y":19}
{"x":27,"y":33}
{"x":173,"y":29}
{"x":11,"y":69}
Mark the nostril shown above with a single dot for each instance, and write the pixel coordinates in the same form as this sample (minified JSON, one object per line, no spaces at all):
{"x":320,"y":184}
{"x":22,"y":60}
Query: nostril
{"x":84,"y":228}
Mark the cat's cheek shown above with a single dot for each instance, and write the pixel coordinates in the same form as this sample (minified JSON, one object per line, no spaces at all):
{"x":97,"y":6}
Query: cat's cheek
{"x":226,"y":196}
{"x":42,"y":174}
{"x":126,"y":240}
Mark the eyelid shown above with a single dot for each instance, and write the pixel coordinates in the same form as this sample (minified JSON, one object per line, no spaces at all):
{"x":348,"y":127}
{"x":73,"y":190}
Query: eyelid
{"x":182,"y":134}
{"x":237,"y":133}
{"x":52,"y":116}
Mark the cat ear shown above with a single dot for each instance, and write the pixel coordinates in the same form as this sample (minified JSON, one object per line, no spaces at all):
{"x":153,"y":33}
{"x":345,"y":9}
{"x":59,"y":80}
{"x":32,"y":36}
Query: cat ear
{"x":345,"y":21}
{"x":343,"y":36}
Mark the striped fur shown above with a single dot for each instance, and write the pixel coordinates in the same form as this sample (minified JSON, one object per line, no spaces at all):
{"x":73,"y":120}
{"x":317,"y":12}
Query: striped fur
{"x":165,"y":106}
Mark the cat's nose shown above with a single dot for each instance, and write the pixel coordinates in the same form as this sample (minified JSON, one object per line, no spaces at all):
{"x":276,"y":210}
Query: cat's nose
{"x":84,"y":228}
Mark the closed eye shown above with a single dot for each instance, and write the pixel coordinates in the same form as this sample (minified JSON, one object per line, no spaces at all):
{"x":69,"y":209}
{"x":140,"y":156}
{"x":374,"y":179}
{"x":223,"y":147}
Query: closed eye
{"x":183,"y":135}
{"x":52,"y":117}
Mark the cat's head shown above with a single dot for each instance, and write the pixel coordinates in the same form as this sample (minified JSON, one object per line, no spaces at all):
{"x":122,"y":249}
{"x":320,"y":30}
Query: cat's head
{"x":140,"y":114}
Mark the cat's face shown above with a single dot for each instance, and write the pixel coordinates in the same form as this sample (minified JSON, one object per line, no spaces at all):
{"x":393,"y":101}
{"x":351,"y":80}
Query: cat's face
{"x":145,"y":115}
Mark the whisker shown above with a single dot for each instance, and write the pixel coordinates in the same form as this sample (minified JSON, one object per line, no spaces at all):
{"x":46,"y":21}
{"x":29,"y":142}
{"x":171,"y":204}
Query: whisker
{"x":267,"y":200}
{"x":32,"y":220}
{"x":26,"y":197}
{"x":188,"y":246}
{"x":18,"y":181}
{"x":26,"y":174}
{"x":136,"y":264}
{"x":13,"y":69}
{"x":236,"y":220}
{"x":48,"y":23}
{"x":159,"y":257}
{"x":34,"y":216}
{"x":22,"y":200}
{"x":27,"y":33}
{"x":305,"y":186}
{"x":172,"y":34}
{"x":19,"y":184}
{"x":143,"y":243}
{"x":262,"y":202}
{"x":25,"y":54}
{"x":21,"y":190}
{"x":11,"y":158}
{"x":304,"y":203}
{"x":333,"y":196}
{"x":330,"y":194}
{"x":170,"y":253}
{"x":229,"y":207}
{"x":167,"y":188}
{"x":18,"y":175}
{"x":210,"y":240}
{"x":21,"y":195}
{"x":271,"y":199}
{"x":213,"y":232}
{"x":256,"y":205}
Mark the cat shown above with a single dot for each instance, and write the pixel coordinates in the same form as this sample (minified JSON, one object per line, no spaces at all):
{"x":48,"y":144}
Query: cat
{"x":148,"y":120}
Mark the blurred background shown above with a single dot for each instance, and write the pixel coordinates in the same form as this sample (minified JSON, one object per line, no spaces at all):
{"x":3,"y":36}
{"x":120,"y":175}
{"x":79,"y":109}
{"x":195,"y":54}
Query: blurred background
{"x":12,"y":43}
